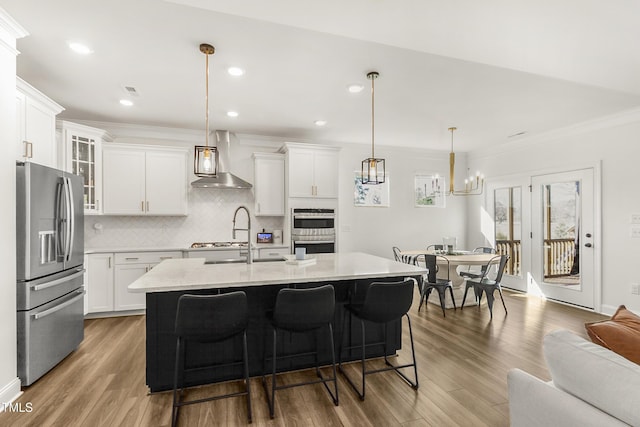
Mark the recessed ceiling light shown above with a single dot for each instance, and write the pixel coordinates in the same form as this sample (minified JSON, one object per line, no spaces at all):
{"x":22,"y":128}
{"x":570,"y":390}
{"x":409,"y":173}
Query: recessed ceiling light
{"x":232,"y":113}
{"x":235,"y":71}
{"x":80,"y":48}
{"x":126,"y":102}
{"x":355,"y":88}
{"x":320,"y":122}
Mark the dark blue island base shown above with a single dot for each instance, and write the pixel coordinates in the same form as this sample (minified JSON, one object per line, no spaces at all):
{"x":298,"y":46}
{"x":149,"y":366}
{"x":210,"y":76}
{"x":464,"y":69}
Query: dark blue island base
{"x":161,"y":342}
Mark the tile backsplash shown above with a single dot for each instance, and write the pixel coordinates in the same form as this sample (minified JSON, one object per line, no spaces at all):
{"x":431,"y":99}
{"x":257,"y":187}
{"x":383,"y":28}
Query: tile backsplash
{"x":210,"y":215}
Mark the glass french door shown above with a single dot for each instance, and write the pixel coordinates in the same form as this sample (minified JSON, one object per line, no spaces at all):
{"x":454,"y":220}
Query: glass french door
{"x":562,"y":236}
{"x":508,"y":206}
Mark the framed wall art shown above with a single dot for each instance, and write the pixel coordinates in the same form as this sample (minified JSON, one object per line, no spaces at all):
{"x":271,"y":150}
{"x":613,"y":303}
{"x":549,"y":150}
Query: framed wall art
{"x":429,"y":190}
{"x":371,"y":195}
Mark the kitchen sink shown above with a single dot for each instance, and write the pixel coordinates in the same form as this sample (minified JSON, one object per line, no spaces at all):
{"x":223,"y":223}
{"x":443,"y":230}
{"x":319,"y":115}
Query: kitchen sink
{"x":243,"y":261}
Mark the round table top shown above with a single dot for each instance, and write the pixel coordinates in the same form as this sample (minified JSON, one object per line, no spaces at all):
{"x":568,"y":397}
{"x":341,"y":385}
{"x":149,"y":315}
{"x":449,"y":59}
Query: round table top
{"x":458,"y":258}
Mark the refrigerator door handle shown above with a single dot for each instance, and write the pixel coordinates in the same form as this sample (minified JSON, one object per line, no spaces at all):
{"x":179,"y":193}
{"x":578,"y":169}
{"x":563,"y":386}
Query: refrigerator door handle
{"x":57,"y":281}
{"x":70,"y":219}
{"x":59,"y":222}
{"x":42,"y":314}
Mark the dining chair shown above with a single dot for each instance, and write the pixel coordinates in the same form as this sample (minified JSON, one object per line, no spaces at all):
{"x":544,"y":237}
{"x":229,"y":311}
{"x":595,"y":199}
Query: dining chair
{"x":396,"y":253}
{"x":472,"y":273}
{"x":435,"y":247}
{"x":488,"y":286}
{"x":431,"y":281}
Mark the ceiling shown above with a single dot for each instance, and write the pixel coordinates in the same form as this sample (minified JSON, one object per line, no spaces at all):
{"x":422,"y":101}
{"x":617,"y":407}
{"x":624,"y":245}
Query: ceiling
{"x":493,"y":68}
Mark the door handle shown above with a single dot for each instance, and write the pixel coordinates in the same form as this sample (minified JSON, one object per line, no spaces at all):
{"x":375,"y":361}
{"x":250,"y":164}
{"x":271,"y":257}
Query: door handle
{"x":588,"y":245}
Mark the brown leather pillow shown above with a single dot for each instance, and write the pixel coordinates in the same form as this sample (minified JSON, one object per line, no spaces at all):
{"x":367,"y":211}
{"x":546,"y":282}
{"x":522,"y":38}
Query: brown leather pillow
{"x":621,"y":334}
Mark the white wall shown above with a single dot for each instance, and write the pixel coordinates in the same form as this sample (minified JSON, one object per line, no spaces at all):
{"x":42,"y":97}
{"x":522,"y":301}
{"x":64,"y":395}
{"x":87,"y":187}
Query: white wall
{"x":9,"y":383}
{"x":377,"y":229}
{"x":615,"y":141}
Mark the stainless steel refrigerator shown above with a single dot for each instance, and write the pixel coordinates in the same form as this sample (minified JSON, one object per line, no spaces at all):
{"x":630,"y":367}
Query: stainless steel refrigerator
{"x":50,"y":255}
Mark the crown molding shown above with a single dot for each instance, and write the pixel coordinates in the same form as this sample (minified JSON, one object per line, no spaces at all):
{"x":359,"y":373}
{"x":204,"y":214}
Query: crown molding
{"x":128,"y":130}
{"x":9,"y":28}
{"x":621,"y":118}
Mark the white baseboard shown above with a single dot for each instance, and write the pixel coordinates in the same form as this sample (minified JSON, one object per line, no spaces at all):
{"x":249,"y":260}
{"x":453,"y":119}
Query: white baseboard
{"x":115,"y":314}
{"x":611,"y":309}
{"x":10,"y":392}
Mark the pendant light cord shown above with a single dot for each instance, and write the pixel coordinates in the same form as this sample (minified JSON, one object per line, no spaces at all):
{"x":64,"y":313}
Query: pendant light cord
{"x":206,"y":98}
{"x":372,"y":117}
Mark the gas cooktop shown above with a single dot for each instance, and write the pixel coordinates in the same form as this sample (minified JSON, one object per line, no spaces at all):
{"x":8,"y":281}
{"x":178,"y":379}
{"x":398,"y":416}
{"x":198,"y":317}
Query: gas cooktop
{"x":198,"y":245}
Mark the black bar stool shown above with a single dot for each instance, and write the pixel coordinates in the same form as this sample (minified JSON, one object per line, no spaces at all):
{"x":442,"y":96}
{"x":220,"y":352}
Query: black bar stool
{"x":209,"y":319}
{"x":301,"y":311}
{"x":383,"y":303}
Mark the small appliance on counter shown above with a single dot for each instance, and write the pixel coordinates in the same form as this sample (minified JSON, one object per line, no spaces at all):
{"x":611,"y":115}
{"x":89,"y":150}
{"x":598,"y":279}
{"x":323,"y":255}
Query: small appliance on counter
{"x":264,"y":237}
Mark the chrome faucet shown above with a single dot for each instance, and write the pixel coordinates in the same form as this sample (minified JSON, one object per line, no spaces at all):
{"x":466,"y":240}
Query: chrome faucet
{"x":248,"y":230}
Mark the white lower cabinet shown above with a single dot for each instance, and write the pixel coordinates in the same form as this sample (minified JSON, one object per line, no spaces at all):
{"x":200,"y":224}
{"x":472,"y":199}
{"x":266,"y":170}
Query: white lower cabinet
{"x":99,"y":282}
{"x":126,"y":275}
{"x":109,"y":276}
{"x":266,"y":253}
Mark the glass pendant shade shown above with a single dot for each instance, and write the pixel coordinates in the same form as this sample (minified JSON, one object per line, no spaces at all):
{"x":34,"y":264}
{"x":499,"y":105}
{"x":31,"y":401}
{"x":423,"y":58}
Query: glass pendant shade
{"x":205,"y":161}
{"x":373,"y":171}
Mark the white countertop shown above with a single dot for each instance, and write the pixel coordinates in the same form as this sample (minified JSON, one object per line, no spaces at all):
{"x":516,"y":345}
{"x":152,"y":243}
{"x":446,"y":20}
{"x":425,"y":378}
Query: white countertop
{"x":182,"y":248}
{"x":191,"y":273}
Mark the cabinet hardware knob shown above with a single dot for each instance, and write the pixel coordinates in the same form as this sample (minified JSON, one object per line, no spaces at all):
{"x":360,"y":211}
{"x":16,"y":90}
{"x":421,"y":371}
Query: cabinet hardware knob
{"x":142,"y":206}
{"x":588,"y":245}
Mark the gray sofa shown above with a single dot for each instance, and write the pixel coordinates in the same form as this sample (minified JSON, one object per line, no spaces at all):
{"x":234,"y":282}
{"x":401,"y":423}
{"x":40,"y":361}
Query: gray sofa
{"x":591,"y":386}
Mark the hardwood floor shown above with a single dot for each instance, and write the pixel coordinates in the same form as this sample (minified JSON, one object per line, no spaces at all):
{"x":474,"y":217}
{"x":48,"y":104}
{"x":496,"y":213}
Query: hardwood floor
{"x":463,"y":361}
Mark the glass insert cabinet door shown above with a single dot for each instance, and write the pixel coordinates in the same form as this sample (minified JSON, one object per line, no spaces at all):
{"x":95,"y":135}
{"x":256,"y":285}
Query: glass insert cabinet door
{"x":83,"y":163}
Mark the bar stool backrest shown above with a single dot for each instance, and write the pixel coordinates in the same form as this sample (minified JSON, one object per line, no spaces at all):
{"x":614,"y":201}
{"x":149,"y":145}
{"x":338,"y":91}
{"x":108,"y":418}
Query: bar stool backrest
{"x":304,"y":309}
{"x":210,"y":318}
{"x":387,"y":301}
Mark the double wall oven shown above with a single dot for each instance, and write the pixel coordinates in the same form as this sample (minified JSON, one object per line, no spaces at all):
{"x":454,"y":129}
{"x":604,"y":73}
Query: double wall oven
{"x":314,"y":230}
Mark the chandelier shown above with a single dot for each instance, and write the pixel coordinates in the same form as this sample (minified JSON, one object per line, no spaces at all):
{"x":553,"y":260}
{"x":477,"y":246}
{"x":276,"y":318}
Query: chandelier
{"x":372,"y":171}
{"x":205,"y":160}
{"x":473,"y":185}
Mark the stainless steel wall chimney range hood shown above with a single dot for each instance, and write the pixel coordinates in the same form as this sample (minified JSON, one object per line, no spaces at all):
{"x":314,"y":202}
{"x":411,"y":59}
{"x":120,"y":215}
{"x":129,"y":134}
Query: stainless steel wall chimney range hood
{"x":224,"y":179}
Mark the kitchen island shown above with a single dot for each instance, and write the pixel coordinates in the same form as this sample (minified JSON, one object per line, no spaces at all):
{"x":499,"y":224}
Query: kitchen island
{"x":349,"y":273}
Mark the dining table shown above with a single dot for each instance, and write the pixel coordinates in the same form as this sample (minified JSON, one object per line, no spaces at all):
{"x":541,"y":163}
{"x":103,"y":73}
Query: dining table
{"x":455,"y":259}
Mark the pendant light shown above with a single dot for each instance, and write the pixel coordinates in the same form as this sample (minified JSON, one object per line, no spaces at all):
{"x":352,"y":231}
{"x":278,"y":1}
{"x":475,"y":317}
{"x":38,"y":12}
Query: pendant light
{"x":472,"y":185}
{"x":205,"y":160}
{"x":373,"y":171}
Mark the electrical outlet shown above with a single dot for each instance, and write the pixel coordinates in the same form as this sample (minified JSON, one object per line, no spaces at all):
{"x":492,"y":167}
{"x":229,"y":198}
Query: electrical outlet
{"x":635,"y":233}
{"x":635,"y":218}
{"x":635,"y":289}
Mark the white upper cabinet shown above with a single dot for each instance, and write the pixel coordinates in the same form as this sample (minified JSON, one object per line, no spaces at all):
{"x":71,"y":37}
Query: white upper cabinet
{"x":35,"y":125}
{"x":80,"y":152}
{"x":268,"y":187}
{"x":312,"y":170}
{"x":144,"y":180}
